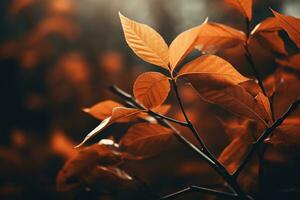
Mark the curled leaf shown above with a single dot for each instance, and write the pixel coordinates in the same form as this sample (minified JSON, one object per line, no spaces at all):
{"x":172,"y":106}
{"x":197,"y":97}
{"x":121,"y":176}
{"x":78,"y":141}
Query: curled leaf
{"x":151,"y":89}
{"x":291,"y":25}
{"x":118,"y":115}
{"x":102,"y":109}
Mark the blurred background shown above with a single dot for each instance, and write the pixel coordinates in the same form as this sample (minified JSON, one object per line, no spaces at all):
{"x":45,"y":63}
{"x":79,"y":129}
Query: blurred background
{"x":59,"y":56}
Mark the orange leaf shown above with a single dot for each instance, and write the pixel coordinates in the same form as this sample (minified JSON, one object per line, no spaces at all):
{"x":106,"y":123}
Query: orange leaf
{"x":145,"y":139}
{"x":102,"y":109}
{"x":151,"y":89}
{"x":79,"y":169}
{"x":118,"y":115}
{"x":271,"y":41}
{"x":291,"y":25}
{"x":244,"y":6}
{"x":287,"y":133}
{"x":212,"y":71}
{"x":292,"y":61}
{"x":214,"y":37}
{"x":182,"y":45}
{"x":270,"y":24}
{"x":235,"y":99}
{"x":234,"y":153}
{"x":145,"y":42}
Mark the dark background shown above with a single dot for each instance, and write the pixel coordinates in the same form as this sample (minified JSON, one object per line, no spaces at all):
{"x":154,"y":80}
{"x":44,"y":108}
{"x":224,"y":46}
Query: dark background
{"x":59,"y":56}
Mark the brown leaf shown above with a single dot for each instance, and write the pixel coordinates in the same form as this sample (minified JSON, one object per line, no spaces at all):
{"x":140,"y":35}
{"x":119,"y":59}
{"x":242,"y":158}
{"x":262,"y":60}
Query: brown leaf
{"x":291,"y":25}
{"x":102,"y":109}
{"x":234,"y":153}
{"x":76,"y":170}
{"x":235,"y":99}
{"x":288,"y":133}
{"x":212,"y":71}
{"x":145,"y":139}
{"x":118,"y":115}
{"x":268,"y":25}
{"x":145,"y":42}
{"x":182,"y":45}
{"x":244,"y":6}
{"x":214,"y":37}
{"x":271,"y":41}
{"x":151,"y":89}
{"x":292,"y":61}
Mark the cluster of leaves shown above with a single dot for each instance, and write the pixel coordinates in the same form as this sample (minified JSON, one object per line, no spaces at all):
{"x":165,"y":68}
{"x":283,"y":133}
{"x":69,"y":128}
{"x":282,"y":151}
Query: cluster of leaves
{"x":214,"y":79}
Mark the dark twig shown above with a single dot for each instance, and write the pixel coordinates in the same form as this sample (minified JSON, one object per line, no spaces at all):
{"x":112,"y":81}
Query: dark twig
{"x":210,"y":160}
{"x":190,"y":125}
{"x":193,"y":188}
{"x":265,"y":135}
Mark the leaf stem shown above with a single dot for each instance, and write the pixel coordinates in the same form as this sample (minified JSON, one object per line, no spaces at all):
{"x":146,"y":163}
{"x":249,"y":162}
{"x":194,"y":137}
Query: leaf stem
{"x":265,"y":135}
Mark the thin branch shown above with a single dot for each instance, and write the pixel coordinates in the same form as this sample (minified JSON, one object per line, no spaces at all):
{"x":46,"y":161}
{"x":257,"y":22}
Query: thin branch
{"x":220,"y":169}
{"x":167,"y":118}
{"x":132,"y":102}
{"x":265,"y":135}
{"x":190,"y":125}
{"x":194,"y":188}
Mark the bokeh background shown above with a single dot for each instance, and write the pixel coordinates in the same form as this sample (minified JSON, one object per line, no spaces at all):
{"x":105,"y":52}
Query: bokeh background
{"x":59,"y":56}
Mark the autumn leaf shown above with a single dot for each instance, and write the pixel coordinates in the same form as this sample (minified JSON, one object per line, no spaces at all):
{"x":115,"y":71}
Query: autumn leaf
{"x":268,"y":25}
{"x":244,"y":6}
{"x":145,"y":42}
{"x":271,"y":41}
{"x":102,"y":109}
{"x":232,"y":156}
{"x":288,"y":133}
{"x":266,"y":34}
{"x":214,"y":37}
{"x":151,"y":89}
{"x":81,"y":168}
{"x":182,"y":45}
{"x":212,"y":72}
{"x":291,"y":25}
{"x":118,"y":115}
{"x":236,"y":99}
{"x":292,"y":61}
{"x":145,"y":139}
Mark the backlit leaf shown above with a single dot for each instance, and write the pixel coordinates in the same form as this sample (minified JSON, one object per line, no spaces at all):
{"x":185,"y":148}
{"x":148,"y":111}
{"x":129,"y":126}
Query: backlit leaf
{"x":145,"y":42}
{"x":235,"y":99}
{"x":118,"y":115}
{"x":182,"y":45}
{"x":271,"y":41}
{"x":291,"y":25}
{"x":102,"y":109}
{"x":212,"y":71}
{"x":244,"y":6}
{"x":270,"y":24}
{"x":214,"y":37}
{"x":266,"y":34}
{"x":151,"y":89}
{"x":145,"y":139}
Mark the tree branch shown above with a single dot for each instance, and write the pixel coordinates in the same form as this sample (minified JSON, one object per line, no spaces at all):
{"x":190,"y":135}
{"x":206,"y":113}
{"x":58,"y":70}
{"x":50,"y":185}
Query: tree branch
{"x":265,"y":134}
{"x":193,"y":188}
